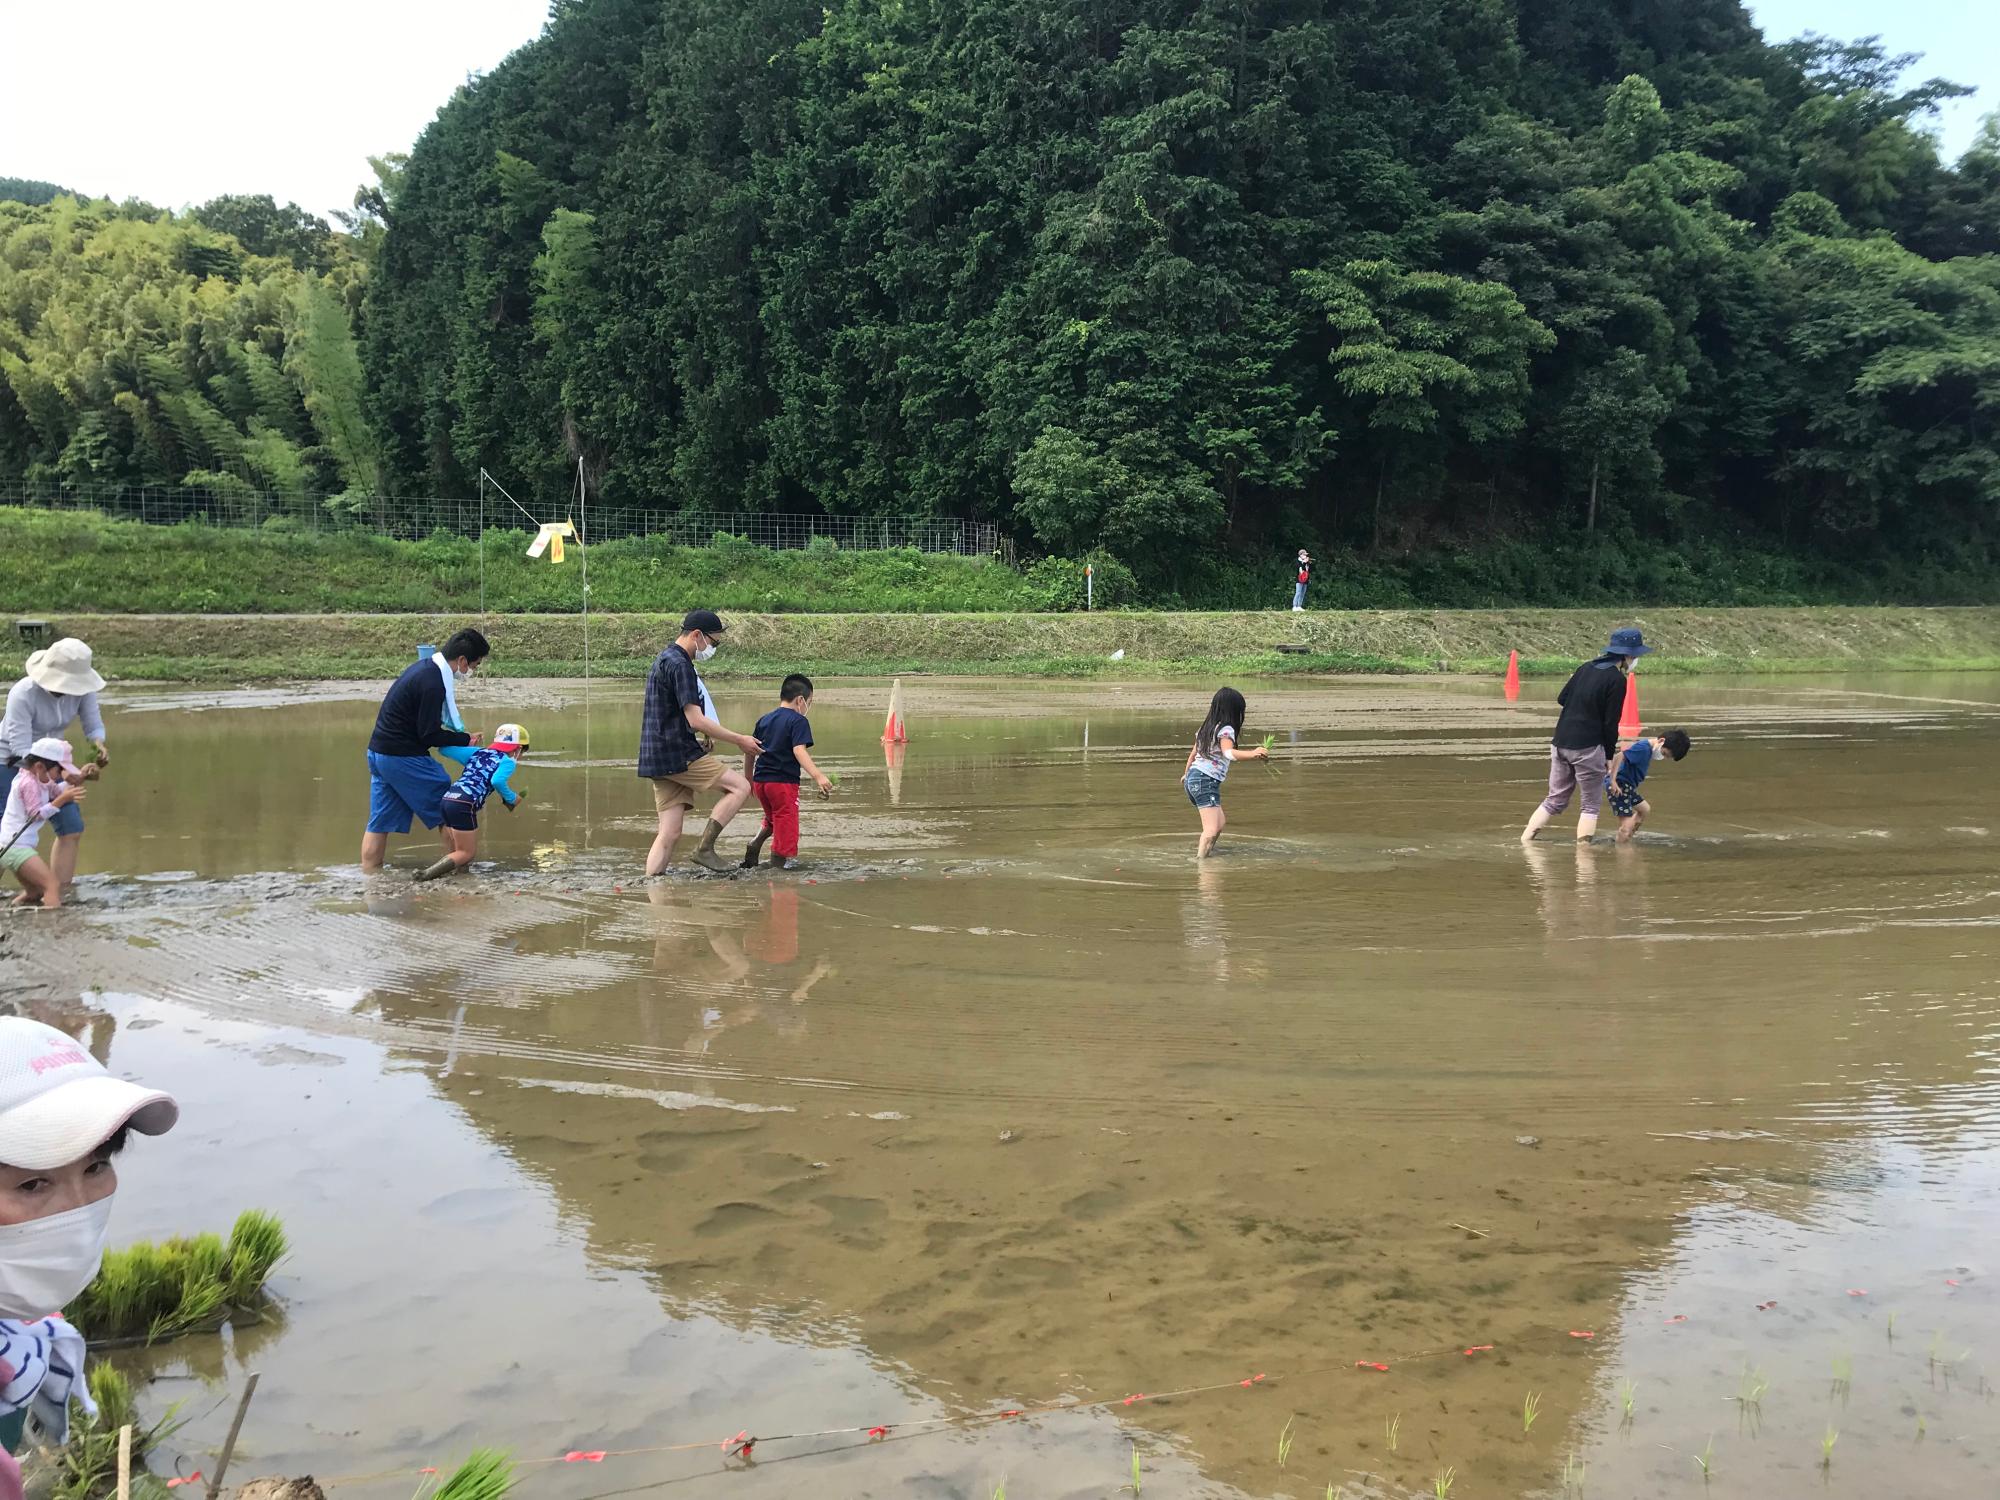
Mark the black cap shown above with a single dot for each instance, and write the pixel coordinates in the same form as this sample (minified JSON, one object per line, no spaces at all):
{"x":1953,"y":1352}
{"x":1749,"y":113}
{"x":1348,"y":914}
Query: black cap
{"x":707,"y":621}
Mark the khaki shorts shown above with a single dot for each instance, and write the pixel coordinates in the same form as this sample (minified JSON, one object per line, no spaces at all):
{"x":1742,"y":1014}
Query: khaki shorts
{"x":678,"y":790}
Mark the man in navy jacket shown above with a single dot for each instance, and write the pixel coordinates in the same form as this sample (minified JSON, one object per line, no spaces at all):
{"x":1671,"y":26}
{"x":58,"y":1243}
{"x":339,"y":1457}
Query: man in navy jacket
{"x":415,"y":718}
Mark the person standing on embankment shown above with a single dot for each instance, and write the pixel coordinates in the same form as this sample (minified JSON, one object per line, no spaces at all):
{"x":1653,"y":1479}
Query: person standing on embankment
{"x":1587,"y":733}
{"x":61,"y":685}
{"x":403,"y":780}
{"x":1304,"y":578}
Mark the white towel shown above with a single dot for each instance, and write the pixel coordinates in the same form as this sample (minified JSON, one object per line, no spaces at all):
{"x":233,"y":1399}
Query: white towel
{"x":451,"y":718}
{"x":44,"y":1367}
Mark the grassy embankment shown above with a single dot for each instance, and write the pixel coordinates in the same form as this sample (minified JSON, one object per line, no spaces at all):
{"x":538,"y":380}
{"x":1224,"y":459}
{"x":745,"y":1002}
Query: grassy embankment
{"x":273,"y":648}
{"x":200,"y":604}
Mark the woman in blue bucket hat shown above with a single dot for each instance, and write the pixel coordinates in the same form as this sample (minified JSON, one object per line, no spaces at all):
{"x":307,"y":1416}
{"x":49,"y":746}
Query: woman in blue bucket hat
{"x":1586,"y":735}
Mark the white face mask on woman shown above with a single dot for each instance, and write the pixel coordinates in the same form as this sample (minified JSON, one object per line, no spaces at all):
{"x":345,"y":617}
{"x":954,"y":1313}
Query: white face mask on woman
{"x":45,"y":1263}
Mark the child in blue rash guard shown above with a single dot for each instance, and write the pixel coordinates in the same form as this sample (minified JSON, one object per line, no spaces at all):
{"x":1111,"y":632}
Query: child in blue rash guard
{"x":488,"y":769}
{"x":1628,"y":770}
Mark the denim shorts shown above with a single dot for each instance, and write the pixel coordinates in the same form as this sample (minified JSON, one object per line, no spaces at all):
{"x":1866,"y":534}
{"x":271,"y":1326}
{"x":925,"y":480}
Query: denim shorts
{"x":1203,"y":789}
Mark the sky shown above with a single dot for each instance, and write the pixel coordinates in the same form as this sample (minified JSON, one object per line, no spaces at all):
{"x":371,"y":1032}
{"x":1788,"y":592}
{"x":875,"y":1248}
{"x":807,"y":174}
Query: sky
{"x":180,"y":101}
{"x":1960,"y":40}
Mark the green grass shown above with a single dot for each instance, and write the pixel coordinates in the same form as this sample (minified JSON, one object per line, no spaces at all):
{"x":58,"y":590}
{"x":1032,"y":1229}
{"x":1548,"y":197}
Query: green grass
{"x":148,"y":1292}
{"x":233,"y":648}
{"x":486,"y":1474}
{"x":86,"y":1467}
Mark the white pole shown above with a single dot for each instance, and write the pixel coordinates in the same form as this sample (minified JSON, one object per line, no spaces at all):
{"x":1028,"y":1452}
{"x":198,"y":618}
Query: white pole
{"x":1089,"y":586}
{"x":482,"y":545}
{"x":583,"y":558}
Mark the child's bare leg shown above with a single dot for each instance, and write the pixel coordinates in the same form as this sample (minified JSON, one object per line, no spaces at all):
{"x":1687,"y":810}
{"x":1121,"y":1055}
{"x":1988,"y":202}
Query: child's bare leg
{"x":1212,"y":819}
{"x":1627,"y":827}
{"x":62,"y":860}
{"x":38,"y":885}
{"x":462,"y":848}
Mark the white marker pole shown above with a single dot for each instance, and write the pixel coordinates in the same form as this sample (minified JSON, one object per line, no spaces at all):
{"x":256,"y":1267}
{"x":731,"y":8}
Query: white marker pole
{"x":1089,"y":586}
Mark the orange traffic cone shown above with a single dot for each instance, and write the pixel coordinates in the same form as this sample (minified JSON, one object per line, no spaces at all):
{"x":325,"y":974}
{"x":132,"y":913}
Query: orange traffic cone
{"x":893,"y":732}
{"x":1512,"y":686}
{"x":1628,"y":721}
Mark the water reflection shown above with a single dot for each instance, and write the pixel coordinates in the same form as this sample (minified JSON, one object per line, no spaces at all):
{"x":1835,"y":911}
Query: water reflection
{"x":1048,"y":1109}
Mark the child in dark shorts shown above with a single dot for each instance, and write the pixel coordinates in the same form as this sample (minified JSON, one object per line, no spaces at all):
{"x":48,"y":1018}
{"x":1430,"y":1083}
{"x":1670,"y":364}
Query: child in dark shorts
{"x":1628,"y":770}
{"x":488,"y":769}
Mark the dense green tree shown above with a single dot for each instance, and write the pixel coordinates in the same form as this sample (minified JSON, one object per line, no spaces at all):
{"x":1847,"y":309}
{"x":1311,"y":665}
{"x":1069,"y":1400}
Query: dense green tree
{"x":138,"y":348}
{"x":1192,"y":280}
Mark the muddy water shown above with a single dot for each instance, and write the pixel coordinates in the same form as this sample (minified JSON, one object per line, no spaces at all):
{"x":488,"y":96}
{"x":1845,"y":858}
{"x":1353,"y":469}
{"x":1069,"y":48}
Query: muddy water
{"x":1002,"y":1102}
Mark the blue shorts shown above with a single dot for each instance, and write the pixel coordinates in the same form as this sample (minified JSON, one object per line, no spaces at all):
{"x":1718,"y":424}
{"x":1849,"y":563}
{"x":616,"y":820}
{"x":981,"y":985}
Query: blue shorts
{"x":68,"y":818}
{"x":1624,"y":800}
{"x":1203,"y":789}
{"x":460,"y":814}
{"x":401,"y":787}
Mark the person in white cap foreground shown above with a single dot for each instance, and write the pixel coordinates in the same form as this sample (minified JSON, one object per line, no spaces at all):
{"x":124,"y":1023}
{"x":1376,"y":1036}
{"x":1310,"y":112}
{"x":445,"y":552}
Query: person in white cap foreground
{"x":61,"y":685}
{"x":44,"y":784}
{"x":63,"y":1119}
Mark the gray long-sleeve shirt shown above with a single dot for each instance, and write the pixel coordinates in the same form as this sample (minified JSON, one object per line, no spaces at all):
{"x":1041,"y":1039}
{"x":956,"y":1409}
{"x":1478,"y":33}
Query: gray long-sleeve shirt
{"x":33,"y":711}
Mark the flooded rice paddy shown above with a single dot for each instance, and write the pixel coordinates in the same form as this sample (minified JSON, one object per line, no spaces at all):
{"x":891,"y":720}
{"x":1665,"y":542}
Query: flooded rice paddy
{"x":1003,"y":1105}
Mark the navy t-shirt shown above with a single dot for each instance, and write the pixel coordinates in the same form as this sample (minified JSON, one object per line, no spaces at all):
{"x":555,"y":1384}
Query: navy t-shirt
{"x":1638,"y":761}
{"x":780,"y":732}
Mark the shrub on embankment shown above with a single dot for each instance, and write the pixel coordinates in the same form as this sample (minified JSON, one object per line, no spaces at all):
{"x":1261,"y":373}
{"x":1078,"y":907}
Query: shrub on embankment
{"x":81,"y":561}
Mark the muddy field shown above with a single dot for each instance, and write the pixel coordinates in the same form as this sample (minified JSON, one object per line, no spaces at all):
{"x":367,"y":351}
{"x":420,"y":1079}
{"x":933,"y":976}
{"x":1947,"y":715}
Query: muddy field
{"x":1002,"y":1104}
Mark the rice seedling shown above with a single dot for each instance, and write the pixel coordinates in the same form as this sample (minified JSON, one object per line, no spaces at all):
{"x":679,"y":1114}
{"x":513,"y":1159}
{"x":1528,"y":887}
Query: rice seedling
{"x":86,"y":1467}
{"x":1573,"y":1475}
{"x":1000,"y":1490}
{"x":1826,"y":1446}
{"x":1704,"y":1459}
{"x":1335,"y":1491}
{"x":1922,"y":1427}
{"x":1626,"y":1391}
{"x":1285,"y":1440}
{"x":1751,"y":1388}
{"x":149,"y":1292}
{"x":1393,"y":1431}
{"x":1892,"y":1328}
{"x":1531,"y":1408}
{"x":1136,"y":1475}
{"x":1269,"y":741}
{"x":1937,"y":1342}
{"x":486,"y":1474}
{"x":1843,"y":1376}
{"x":1441,"y":1483}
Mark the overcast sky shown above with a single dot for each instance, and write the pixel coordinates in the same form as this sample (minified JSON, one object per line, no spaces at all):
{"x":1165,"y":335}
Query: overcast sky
{"x":178,"y":101}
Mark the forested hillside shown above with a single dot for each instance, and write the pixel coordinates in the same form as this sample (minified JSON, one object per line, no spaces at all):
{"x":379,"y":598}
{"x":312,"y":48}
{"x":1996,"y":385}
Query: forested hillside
{"x":1190,"y":280}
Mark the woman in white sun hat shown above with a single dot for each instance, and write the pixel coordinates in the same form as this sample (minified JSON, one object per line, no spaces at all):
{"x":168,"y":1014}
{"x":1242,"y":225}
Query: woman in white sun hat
{"x":60,"y":685}
{"x":63,"y":1119}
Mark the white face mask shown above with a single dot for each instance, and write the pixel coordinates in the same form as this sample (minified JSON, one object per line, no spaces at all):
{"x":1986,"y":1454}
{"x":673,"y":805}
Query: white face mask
{"x":705,"y":652}
{"x":45,"y":1263}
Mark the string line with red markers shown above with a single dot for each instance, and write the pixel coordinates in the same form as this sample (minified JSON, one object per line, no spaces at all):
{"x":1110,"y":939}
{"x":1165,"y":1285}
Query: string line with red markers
{"x":744,"y":1443}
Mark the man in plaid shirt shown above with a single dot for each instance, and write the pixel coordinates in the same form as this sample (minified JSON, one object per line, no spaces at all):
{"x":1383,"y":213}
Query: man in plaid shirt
{"x":677,"y":763}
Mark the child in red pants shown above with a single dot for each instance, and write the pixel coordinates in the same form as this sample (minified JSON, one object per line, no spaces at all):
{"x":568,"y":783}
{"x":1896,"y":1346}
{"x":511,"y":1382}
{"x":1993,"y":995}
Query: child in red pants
{"x":784,"y":732}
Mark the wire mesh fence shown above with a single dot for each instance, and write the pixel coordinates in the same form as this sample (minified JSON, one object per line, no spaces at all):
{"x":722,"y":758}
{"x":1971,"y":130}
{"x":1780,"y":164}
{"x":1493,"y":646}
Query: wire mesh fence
{"x":410,"y":517}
